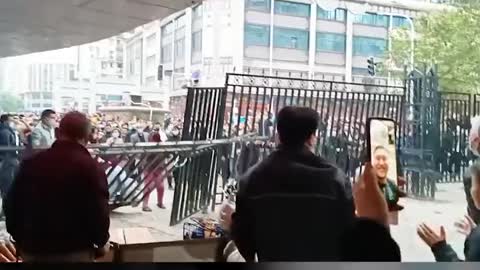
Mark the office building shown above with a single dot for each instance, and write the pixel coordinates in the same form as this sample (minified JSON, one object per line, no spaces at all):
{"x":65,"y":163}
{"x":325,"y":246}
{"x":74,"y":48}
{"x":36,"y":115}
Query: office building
{"x":295,"y":38}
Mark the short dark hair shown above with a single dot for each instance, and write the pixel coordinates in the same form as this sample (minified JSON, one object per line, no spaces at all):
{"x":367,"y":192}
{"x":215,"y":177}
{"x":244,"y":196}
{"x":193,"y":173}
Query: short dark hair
{"x":46,"y":113}
{"x":296,"y":124}
{"x":4,"y":118}
{"x":75,"y":126}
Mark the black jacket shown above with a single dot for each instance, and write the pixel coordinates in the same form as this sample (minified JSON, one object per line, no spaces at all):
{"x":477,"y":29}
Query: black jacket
{"x":58,"y":203}
{"x":318,"y":194}
{"x":443,"y":252}
{"x":472,"y":211}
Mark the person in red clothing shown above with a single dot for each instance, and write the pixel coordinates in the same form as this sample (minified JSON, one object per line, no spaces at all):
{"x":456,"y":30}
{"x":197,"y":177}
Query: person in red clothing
{"x":154,"y":178}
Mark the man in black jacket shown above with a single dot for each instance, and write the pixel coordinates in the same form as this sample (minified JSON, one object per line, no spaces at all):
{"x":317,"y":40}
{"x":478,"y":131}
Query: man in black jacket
{"x":295,"y":206}
{"x":57,"y":208}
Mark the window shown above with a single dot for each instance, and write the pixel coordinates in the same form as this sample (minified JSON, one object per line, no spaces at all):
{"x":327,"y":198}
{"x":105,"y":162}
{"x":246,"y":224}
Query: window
{"x":366,"y":46}
{"x":292,"y":9}
{"x":114,"y":97}
{"x":36,"y":105}
{"x":47,"y":105}
{"x":334,"y":15}
{"x":330,"y":42}
{"x":167,"y":29}
{"x":197,"y":41}
{"x":47,"y":95}
{"x":167,"y":53}
{"x":150,"y":63}
{"x":36,"y":96}
{"x":257,"y":35}
{"x":290,"y":38}
{"x":262,"y":5}
{"x":399,"y":22}
{"x":197,"y":12}
{"x":372,"y":19}
{"x":180,"y":22}
{"x":151,"y":40}
{"x":180,"y":48}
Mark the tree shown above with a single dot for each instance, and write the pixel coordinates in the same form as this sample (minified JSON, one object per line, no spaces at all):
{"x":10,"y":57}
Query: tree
{"x":10,"y":102}
{"x":449,"y":39}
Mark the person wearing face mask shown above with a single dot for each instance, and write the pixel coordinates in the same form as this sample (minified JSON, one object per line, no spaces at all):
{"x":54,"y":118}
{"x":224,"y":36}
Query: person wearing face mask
{"x":44,"y":133}
{"x":57,"y":208}
{"x":116,"y":138}
{"x":8,"y":160}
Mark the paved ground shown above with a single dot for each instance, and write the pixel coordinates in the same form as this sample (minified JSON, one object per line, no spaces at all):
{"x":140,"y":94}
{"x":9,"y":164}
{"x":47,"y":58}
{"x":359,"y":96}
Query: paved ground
{"x":449,"y":206}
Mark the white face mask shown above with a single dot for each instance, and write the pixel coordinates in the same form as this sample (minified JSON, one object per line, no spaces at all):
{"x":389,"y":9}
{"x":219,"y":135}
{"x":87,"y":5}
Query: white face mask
{"x":115,"y":135}
{"x":11,"y":125}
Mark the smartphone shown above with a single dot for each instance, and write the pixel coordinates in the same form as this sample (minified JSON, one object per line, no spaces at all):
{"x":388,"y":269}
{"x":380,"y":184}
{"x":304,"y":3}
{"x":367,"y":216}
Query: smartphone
{"x":382,"y":151}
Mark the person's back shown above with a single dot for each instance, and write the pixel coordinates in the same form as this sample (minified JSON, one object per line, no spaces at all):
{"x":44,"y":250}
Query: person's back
{"x":292,"y":178}
{"x":58,"y":205}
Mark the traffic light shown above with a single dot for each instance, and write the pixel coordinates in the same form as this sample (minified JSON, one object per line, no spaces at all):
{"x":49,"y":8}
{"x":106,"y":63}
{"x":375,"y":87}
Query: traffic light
{"x":372,"y":66}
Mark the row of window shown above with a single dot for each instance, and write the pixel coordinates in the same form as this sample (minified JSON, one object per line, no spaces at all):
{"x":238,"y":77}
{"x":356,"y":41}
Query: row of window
{"x":166,"y":50}
{"x":303,"y":10}
{"x":259,"y":35}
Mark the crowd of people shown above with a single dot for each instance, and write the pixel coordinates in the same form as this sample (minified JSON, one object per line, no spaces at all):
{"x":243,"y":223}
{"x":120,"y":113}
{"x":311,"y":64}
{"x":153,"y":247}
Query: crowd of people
{"x":291,"y":206}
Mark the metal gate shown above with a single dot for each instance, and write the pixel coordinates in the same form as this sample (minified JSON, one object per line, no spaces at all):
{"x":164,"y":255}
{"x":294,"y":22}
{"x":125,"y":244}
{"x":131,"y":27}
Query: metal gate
{"x":253,"y":100}
{"x":196,"y":179}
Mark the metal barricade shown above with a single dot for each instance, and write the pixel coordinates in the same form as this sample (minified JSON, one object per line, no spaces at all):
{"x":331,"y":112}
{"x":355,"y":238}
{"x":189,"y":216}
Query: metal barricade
{"x":133,"y":169}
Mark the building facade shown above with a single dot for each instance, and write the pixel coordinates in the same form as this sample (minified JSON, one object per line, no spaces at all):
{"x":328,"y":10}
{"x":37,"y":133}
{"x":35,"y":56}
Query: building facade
{"x":294,"y":38}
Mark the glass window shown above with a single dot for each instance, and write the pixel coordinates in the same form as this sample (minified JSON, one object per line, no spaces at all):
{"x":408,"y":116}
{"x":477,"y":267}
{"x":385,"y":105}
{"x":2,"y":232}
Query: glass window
{"x":197,"y":12}
{"x":366,"y":46}
{"x":262,"y":5}
{"x":290,"y":38}
{"x":257,"y":35}
{"x":167,"y":29}
{"x":292,"y":9}
{"x":197,"y":41}
{"x":330,"y":42}
{"x":180,"y":48}
{"x":180,"y":21}
{"x":47,"y":95}
{"x":399,"y":22}
{"x":334,"y":15}
{"x":167,"y":53}
{"x":372,"y":19}
{"x":115,"y":97}
{"x":151,"y":41}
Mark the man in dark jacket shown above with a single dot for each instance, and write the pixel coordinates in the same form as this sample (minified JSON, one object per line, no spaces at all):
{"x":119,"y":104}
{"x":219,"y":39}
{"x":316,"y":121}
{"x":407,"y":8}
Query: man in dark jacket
{"x":295,"y":206}
{"x":8,"y":159}
{"x":57,"y":209}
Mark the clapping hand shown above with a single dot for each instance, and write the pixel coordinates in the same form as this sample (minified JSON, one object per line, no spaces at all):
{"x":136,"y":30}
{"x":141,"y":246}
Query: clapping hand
{"x":429,"y":236}
{"x":466,"y":225}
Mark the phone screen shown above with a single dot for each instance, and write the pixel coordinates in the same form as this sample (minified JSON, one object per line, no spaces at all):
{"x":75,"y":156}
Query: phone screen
{"x":383,"y":157}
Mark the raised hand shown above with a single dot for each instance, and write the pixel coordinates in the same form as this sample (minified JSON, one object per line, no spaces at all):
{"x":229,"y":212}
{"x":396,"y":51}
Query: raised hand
{"x":429,"y":236}
{"x":466,"y":225}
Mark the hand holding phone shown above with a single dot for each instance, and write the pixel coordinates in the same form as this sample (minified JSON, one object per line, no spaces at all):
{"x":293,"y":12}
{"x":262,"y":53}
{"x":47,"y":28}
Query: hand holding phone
{"x":381,"y":145}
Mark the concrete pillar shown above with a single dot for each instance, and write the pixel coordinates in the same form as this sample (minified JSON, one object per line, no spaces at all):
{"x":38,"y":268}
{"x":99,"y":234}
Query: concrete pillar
{"x":349,"y":47}
{"x":313,"y":40}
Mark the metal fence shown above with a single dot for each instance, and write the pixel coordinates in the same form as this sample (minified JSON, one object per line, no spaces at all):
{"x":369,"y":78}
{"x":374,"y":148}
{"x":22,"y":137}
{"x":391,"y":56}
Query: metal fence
{"x":132,"y":170}
{"x":252,"y":101}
